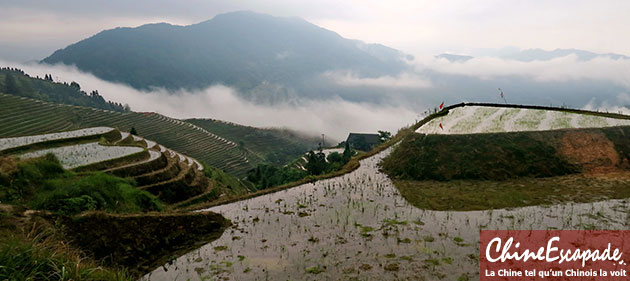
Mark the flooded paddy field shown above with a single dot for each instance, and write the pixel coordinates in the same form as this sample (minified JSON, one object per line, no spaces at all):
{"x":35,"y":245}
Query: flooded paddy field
{"x":484,"y":119}
{"x":358,"y":227}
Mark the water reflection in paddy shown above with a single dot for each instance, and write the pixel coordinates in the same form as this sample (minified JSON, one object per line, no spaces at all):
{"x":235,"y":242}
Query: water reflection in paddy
{"x":358,"y":227}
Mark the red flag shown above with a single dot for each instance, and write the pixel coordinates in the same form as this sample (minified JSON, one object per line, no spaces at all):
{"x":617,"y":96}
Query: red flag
{"x":441,"y":126}
{"x":441,"y":105}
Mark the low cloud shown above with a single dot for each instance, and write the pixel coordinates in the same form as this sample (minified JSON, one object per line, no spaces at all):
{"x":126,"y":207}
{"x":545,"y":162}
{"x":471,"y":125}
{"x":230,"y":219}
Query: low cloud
{"x":333,"y":117}
{"x":619,"y":105}
{"x":604,"y":82}
{"x":560,"y":69}
{"x":404,"y":81}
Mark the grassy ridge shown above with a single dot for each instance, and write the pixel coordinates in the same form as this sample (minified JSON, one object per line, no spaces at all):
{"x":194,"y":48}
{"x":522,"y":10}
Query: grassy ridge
{"x":496,"y":156}
{"x":501,"y":156}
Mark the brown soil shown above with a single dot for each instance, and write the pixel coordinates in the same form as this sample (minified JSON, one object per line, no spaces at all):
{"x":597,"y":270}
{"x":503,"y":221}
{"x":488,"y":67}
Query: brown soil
{"x":611,"y":175}
{"x":8,"y":165}
{"x":591,"y":150}
{"x":142,"y":242}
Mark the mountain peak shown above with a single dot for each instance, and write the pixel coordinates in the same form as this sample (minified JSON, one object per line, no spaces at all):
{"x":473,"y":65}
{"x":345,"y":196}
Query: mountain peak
{"x":250,"y":16}
{"x":243,"y":49}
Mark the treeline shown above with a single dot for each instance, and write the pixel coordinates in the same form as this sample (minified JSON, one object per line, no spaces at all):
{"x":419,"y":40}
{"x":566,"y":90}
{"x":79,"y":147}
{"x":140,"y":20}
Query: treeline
{"x":317,"y":163}
{"x":15,"y":82}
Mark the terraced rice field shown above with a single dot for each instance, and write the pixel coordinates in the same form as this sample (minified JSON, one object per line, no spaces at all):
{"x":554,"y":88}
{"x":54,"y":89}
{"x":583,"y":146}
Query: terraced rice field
{"x":482,"y":119}
{"x":78,"y":155}
{"x":358,"y":227}
{"x":7,"y":143}
{"x":22,"y":117}
{"x":154,"y":167}
{"x":276,"y":146}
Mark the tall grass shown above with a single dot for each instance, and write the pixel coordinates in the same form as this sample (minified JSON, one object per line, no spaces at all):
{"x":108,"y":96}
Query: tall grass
{"x":93,"y":192}
{"x":42,"y":258}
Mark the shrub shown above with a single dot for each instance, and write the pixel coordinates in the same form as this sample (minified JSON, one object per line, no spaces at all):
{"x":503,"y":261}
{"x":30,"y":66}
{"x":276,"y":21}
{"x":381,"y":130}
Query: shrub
{"x":29,"y":174}
{"x":97,"y":191}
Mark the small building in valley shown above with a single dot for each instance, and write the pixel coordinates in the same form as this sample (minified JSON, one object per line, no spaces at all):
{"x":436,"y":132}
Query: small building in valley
{"x":364,"y":142}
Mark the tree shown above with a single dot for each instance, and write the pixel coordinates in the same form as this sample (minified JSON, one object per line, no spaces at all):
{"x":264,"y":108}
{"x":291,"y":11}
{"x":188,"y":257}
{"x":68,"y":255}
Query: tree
{"x":265,"y":176}
{"x":334,"y":157}
{"x":347,"y":152}
{"x":97,"y":98}
{"x":384,"y":135}
{"x":133,"y":131}
{"x":315,"y":163}
{"x":10,"y":85}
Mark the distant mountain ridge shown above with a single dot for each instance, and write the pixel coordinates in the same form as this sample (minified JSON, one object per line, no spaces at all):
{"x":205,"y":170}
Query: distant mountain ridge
{"x":454,"y":58}
{"x":530,"y":55}
{"x":246,"y":50}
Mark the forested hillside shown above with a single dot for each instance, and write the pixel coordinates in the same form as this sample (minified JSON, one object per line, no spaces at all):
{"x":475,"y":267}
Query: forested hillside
{"x":16,"y":82}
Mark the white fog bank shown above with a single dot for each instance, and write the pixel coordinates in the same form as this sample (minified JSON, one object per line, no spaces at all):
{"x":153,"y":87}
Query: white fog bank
{"x":333,"y":117}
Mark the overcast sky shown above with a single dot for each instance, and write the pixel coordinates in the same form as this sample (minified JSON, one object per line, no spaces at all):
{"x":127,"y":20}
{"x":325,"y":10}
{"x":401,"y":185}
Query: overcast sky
{"x":33,"y":29}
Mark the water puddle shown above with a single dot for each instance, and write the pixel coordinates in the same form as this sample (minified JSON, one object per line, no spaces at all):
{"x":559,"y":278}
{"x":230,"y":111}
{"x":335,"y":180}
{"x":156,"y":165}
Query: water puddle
{"x":358,"y":227}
